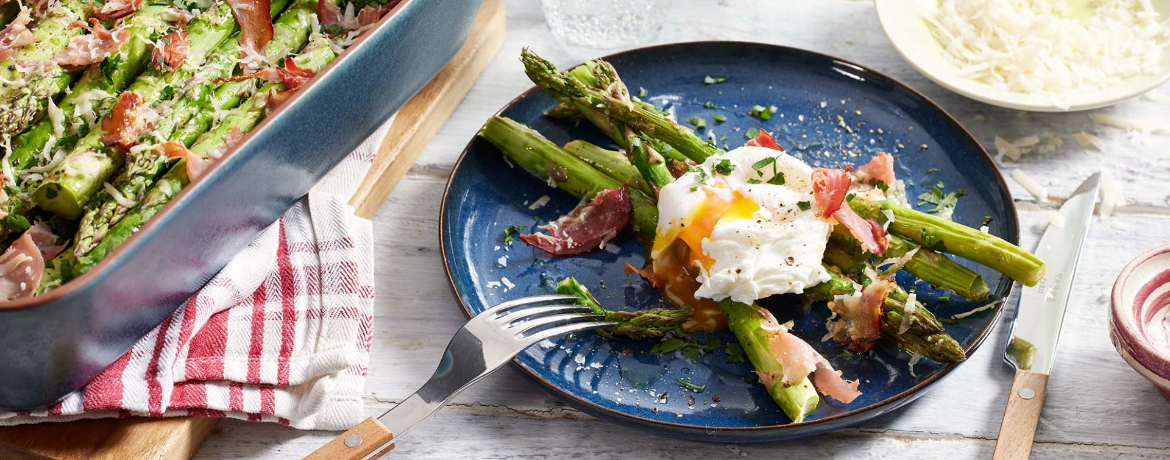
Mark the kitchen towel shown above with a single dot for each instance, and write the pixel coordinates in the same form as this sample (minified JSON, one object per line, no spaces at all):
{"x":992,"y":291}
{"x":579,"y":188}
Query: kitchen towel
{"x":282,"y":334}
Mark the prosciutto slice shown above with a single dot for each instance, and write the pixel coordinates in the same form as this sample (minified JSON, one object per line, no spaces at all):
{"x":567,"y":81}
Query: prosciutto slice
{"x":830,"y":187}
{"x":654,"y":280}
{"x":16,"y":35}
{"x":293,"y":77}
{"x":799,"y":359}
{"x":195,"y":163}
{"x":255,"y":29}
{"x":858,"y":326}
{"x":115,"y":9}
{"x":588,"y":227}
{"x":764,"y":139}
{"x":331,"y":15}
{"x":170,"y":51}
{"x":23,"y":264}
{"x":130,"y":118}
{"x":93,"y":47}
{"x":880,"y":168}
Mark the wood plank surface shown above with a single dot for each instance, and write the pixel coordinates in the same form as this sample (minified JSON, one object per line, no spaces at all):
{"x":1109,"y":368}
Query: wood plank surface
{"x":1096,"y":406}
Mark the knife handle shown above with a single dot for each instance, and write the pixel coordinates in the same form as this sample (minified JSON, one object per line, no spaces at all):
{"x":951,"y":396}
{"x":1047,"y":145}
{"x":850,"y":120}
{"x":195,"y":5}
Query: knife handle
{"x":363,"y":439}
{"x":1021,"y":416}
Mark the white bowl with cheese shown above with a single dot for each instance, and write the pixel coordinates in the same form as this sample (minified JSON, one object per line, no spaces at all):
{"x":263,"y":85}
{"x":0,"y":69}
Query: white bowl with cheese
{"x":913,"y":28}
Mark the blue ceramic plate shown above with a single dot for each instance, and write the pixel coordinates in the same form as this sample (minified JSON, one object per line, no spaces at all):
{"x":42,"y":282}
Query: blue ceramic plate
{"x":829,"y":112}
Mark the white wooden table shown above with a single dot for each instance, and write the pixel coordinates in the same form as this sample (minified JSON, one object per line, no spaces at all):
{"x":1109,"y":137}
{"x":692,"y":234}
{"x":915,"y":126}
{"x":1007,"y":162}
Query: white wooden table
{"x":1097,"y":407}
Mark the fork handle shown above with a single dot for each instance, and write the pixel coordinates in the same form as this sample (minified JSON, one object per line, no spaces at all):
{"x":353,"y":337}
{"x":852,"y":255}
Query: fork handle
{"x":358,"y":443}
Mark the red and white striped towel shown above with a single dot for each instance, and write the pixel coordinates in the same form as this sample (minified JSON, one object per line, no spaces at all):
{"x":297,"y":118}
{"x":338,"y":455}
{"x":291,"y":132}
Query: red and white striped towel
{"x":282,"y":334}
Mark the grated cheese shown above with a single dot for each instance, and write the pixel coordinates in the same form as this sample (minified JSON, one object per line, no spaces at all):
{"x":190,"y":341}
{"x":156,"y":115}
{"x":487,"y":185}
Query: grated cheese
{"x":977,"y":310}
{"x":1030,"y":184}
{"x":118,"y":197}
{"x":1112,"y":194}
{"x":1132,"y":124}
{"x":1007,"y":149}
{"x":1158,"y":96}
{"x":57,"y":118}
{"x":908,"y":313}
{"x":1042,"y":47}
{"x":539,"y":203}
{"x":1055,"y":218}
{"x":1087,"y":140}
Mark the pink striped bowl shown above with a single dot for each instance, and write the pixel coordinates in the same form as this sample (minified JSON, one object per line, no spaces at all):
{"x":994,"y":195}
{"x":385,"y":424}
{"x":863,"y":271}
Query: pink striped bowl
{"x":1140,"y":292}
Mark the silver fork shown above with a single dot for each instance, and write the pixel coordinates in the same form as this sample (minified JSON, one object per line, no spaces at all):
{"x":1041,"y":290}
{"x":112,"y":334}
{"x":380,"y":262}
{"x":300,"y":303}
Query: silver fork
{"x":484,"y":344}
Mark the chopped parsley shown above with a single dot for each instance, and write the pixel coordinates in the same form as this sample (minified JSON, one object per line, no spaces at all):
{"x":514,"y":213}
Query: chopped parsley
{"x":804,"y":205}
{"x":735,"y":353}
{"x":709,"y":80}
{"x":849,"y":198}
{"x":932,"y":170}
{"x":698,"y":122}
{"x":777,"y":176}
{"x":879,"y":184}
{"x":944,"y":299}
{"x":700,"y":174}
{"x":761,"y":112}
{"x":724,"y":167}
{"x":109,"y":66}
{"x":754,"y":181}
{"x":697,"y":388}
{"x":710,"y":105}
{"x":642,"y":92}
{"x":948,"y":321}
{"x":765,"y":162}
{"x":692,"y":349}
{"x":932,"y":242}
{"x":751,"y":133}
{"x":941,"y":201}
{"x":720,"y":119}
{"x":986,"y":220}
{"x":511,"y":232}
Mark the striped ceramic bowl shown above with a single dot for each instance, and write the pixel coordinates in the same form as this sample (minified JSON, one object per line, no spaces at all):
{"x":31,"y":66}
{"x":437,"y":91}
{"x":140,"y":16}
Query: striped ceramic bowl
{"x":1141,"y":295}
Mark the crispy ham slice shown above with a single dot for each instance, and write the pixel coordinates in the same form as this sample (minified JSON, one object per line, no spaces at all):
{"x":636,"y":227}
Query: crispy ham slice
{"x":293,"y":77}
{"x":127,"y":121}
{"x":255,"y":29}
{"x":588,"y":227}
{"x":764,"y":139}
{"x":195,"y":163}
{"x":16,"y":35}
{"x":23,"y":264}
{"x":880,"y":168}
{"x":115,"y":9}
{"x":830,"y":186}
{"x":170,"y":51}
{"x":331,"y":15}
{"x":93,"y":47}
{"x":799,"y":359}
{"x":858,"y":326}
{"x":654,"y":280}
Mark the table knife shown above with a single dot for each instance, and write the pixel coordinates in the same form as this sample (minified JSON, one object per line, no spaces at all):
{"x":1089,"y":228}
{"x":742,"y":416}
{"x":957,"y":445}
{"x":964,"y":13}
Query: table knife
{"x":1035,"y":330}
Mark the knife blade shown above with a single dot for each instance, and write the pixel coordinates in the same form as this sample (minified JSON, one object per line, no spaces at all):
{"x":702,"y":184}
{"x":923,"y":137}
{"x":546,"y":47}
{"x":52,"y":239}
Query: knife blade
{"x":1040,"y":312}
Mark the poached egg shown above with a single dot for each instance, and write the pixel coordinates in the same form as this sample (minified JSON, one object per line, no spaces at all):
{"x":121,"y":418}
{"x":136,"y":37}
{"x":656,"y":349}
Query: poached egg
{"x":747,"y":223}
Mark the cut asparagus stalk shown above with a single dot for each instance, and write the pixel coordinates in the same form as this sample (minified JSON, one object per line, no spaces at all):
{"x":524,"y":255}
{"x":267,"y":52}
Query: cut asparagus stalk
{"x":932,"y":267}
{"x":613,"y":163}
{"x":108,"y":77}
{"x":797,"y":400}
{"x":544,"y":159}
{"x":27,"y":89}
{"x":242,"y":119}
{"x":943,"y":235}
{"x":648,"y":161}
{"x":640,"y":324}
{"x":291,"y":30}
{"x":651,"y":123}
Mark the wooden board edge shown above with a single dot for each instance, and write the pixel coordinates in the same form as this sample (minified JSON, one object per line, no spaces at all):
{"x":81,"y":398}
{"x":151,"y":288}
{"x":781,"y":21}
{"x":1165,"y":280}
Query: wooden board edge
{"x":421,"y":118}
{"x":174,"y":438}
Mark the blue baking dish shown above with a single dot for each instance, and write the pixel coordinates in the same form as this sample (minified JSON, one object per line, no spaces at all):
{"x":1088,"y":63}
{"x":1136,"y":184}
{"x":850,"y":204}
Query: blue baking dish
{"x":54,"y":344}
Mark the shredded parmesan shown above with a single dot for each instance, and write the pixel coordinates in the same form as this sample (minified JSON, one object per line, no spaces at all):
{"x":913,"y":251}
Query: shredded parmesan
{"x":1030,"y":184}
{"x":118,"y":197}
{"x":1007,"y":149}
{"x":1044,"y":47}
{"x":539,"y":203}
{"x":1087,"y":140}
{"x":1158,"y":96}
{"x":908,"y":313}
{"x":1112,"y":194}
{"x":977,"y":310}
{"x":57,"y":118}
{"x":1055,"y":218}
{"x":1132,"y":124}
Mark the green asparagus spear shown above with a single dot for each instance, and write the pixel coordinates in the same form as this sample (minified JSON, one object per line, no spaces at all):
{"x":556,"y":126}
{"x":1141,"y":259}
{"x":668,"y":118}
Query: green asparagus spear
{"x":648,"y":161}
{"x":943,"y":235}
{"x":543,"y":158}
{"x":640,"y":324}
{"x":927,"y":265}
{"x":291,"y":30}
{"x":107,"y":78}
{"x":651,"y":123}
{"x":610,"y":162}
{"x":27,"y":89}
{"x":797,"y":400}
{"x":91,"y":163}
{"x":242,"y":119}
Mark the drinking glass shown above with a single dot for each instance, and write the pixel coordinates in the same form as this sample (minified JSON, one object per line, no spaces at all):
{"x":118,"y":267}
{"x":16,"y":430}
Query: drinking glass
{"x":588,"y":28}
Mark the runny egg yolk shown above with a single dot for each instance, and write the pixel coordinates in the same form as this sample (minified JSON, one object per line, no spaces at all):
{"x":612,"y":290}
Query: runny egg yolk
{"x":697,"y":226}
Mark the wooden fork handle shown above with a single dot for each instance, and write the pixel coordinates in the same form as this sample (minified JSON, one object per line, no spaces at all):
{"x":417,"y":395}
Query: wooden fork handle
{"x":1021,"y":416}
{"x":361,"y":440}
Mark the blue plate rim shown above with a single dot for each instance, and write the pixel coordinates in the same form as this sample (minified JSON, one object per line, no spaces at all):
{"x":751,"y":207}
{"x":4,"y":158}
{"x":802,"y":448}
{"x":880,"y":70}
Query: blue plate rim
{"x":898,"y":400}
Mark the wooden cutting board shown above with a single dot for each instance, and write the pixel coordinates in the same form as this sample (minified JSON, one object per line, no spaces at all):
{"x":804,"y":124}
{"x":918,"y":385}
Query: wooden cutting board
{"x":179,"y":438}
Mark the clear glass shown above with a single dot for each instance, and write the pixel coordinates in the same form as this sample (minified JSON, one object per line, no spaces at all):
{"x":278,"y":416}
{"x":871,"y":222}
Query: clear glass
{"x":587,"y":28}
